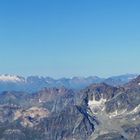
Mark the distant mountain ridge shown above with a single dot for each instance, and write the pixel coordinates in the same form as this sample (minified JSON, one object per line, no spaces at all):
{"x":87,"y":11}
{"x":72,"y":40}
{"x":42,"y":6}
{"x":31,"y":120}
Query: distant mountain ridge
{"x":36,"y":83}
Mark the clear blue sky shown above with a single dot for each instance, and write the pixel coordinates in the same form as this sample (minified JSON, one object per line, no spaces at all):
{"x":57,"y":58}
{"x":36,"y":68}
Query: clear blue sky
{"x":69,"y":37}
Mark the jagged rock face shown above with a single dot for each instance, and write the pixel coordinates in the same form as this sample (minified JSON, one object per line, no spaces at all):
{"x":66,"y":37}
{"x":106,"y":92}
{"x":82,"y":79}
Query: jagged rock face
{"x":135,"y":83}
{"x":99,"y":91}
{"x":54,"y":99}
{"x":114,"y":108}
{"x":111,"y":136}
{"x":15,"y":134}
{"x":98,"y":112}
{"x":68,"y":124}
{"x":127,"y":100}
{"x":51,"y":114}
{"x":133,"y":131}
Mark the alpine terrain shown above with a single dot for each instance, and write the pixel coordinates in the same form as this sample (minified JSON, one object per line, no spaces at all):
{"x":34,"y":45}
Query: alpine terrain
{"x":98,"y":112}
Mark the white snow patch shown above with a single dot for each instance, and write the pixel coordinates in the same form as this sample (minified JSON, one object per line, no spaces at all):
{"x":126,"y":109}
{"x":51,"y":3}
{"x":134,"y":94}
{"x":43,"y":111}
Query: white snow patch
{"x":10,"y":78}
{"x":124,"y":112}
{"x":96,"y":103}
{"x":96,"y":106}
{"x":134,"y":119}
{"x":135,"y":110}
{"x":117,"y":113}
{"x":40,"y":101}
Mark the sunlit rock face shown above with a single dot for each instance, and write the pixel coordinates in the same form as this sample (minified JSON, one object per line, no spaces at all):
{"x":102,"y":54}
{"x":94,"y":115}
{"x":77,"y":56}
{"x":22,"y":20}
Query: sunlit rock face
{"x":31,"y":116}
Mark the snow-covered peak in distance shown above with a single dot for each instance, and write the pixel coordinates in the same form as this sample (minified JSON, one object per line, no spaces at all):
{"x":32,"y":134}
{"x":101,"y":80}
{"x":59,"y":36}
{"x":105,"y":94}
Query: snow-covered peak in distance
{"x":36,"y":83}
{"x":11,"y":78}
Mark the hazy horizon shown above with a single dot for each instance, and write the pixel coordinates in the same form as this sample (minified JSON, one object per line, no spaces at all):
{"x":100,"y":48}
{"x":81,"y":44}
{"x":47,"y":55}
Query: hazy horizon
{"x":74,"y":76}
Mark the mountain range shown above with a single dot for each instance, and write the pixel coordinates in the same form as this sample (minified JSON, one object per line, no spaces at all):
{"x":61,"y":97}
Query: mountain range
{"x":35,"y":83}
{"x":99,"y":111}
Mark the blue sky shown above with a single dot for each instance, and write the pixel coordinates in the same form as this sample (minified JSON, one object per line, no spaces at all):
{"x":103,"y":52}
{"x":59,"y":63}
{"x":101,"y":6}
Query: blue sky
{"x":65,"y":38}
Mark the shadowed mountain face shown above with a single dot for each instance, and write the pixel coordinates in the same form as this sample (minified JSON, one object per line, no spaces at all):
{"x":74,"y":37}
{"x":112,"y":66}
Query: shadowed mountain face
{"x":98,"y":112}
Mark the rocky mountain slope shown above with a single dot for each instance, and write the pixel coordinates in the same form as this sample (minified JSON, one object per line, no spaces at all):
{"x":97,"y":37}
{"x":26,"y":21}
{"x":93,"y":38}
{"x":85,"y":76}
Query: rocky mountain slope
{"x":98,"y":112}
{"x":117,"y":110}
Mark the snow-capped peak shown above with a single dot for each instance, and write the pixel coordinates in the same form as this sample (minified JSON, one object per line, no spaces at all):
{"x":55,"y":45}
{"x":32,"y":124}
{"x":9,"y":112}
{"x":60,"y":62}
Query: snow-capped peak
{"x":11,"y":78}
